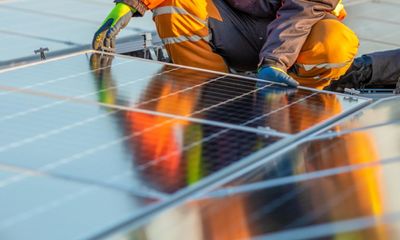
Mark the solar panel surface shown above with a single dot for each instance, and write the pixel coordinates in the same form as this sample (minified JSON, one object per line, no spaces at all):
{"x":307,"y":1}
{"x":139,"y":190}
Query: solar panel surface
{"x":133,"y":83}
{"x":327,"y":187}
{"x":44,"y":207}
{"x":148,"y":131}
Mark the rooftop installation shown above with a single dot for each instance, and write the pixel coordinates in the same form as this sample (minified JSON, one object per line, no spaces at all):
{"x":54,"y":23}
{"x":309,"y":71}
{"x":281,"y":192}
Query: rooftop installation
{"x":88,"y":130}
{"x":89,"y":150}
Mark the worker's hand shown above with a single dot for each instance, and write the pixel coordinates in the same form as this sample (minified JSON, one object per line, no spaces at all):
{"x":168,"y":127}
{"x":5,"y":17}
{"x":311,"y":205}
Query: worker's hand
{"x":117,"y":19}
{"x":277,"y":75}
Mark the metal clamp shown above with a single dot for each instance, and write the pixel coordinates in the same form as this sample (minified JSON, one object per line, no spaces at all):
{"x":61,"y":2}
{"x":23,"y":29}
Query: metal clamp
{"x":148,"y":48}
{"x":352,"y":92}
{"x":42,"y":52}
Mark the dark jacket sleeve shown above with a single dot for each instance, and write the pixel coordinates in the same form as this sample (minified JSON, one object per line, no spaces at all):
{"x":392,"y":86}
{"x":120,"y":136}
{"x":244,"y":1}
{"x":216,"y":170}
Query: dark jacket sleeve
{"x":288,"y":32}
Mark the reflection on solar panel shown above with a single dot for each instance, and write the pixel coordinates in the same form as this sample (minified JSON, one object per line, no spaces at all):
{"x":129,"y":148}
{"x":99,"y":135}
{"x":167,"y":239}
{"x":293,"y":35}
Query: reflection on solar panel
{"x":337,"y":184}
{"x":129,"y":137}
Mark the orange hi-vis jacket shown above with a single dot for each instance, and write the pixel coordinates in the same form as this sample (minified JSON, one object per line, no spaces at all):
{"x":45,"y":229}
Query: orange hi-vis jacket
{"x":290,"y":22}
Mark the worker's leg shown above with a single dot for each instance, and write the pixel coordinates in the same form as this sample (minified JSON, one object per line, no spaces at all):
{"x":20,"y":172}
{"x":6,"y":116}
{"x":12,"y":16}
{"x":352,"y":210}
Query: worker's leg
{"x":379,"y":68}
{"x":183,"y":27}
{"x":239,"y":37}
{"x":385,"y":66}
{"x":326,"y":55}
{"x":229,"y":36}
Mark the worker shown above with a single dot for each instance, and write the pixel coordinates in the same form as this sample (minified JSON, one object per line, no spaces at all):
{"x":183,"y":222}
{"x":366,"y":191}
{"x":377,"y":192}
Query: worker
{"x":287,"y":41}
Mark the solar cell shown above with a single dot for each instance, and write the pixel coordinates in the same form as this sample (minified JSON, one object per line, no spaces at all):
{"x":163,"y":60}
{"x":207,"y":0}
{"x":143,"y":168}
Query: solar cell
{"x":43,"y":207}
{"x":150,"y":130}
{"x":124,"y":148}
{"x":322,"y":188}
{"x":346,"y":204}
{"x":380,"y":113}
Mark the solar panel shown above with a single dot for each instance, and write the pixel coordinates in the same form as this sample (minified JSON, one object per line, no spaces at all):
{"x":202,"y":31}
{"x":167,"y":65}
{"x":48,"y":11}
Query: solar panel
{"x":146,"y":130}
{"x":45,"y":207}
{"x":86,"y":141}
{"x":325,"y":187}
{"x":380,"y":114}
{"x":146,"y":85}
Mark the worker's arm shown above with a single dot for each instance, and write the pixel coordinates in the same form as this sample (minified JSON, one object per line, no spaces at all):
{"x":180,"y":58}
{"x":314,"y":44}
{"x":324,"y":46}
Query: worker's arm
{"x":288,"y":32}
{"x":141,"y":5}
{"x":117,"y":19}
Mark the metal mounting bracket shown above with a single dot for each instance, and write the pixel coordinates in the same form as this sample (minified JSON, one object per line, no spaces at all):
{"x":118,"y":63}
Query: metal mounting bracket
{"x":352,"y":92}
{"x":42,"y":51}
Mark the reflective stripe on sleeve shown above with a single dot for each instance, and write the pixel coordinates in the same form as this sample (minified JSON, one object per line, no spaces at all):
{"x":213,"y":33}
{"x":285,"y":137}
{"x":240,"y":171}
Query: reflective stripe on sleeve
{"x":176,"y":10}
{"x":179,"y":39}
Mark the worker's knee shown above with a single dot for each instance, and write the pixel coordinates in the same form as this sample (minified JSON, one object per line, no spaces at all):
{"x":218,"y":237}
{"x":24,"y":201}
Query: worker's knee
{"x":327,"y":53}
{"x":330,"y":41}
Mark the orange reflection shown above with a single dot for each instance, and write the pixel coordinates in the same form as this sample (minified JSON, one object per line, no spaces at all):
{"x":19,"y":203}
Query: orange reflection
{"x":157,"y":143}
{"x":340,"y":197}
{"x":360,"y":191}
{"x":159,"y":146}
{"x":295,"y":114}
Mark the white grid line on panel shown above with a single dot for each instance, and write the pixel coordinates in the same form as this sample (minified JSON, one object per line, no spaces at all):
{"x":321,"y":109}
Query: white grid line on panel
{"x":18,"y":90}
{"x":77,"y":156}
{"x":63,"y":78}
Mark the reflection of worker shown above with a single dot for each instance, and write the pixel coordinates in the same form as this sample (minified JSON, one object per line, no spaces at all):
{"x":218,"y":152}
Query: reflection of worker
{"x":343,"y":196}
{"x":305,"y":37}
{"x":173,"y":153}
{"x":154,"y":141}
{"x":160,"y":145}
{"x":350,"y":195}
{"x":355,"y":194}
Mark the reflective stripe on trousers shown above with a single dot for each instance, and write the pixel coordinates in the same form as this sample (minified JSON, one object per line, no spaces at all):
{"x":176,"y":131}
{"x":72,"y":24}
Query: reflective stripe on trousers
{"x":183,"y":28}
{"x":169,"y":10}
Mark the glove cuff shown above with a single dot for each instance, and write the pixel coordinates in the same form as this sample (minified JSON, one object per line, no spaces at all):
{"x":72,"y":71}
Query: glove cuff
{"x":135,"y":5}
{"x":271,"y":63}
{"x":133,"y":10}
